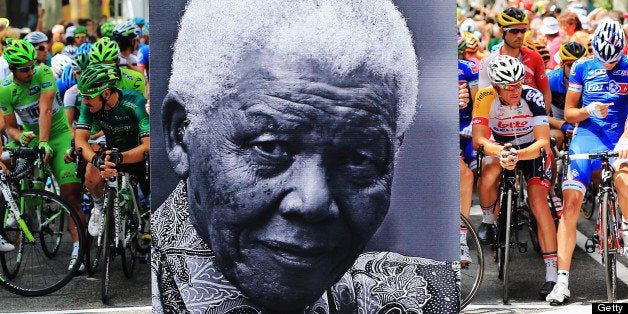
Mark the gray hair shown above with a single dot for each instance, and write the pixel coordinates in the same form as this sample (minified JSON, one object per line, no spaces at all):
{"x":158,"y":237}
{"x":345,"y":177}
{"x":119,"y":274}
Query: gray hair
{"x":214,"y":35}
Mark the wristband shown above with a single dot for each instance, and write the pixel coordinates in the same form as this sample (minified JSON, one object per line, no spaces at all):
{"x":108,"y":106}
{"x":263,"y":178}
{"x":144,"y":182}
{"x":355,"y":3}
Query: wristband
{"x":566,"y":127}
{"x":594,"y":110}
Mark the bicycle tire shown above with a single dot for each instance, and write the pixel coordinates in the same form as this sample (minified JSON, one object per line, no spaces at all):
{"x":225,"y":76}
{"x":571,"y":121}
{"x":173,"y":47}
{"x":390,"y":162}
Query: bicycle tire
{"x":108,"y":244}
{"x":588,"y":204}
{"x":609,"y":249}
{"x":92,"y":255}
{"x":471,"y":274}
{"x":127,"y":252}
{"x":14,"y":235}
{"x":503,"y":252}
{"x":52,"y":235}
{"x":41,"y":274}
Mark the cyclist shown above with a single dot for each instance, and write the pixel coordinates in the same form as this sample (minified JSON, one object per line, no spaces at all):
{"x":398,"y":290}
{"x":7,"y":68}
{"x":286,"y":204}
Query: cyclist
{"x":126,"y":34}
{"x":72,"y":98}
{"x":106,"y":51}
{"x":122,"y":117}
{"x":40,"y":41}
{"x":515,"y":115}
{"x":602,"y":82}
{"x":467,"y":79}
{"x":30,"y":94}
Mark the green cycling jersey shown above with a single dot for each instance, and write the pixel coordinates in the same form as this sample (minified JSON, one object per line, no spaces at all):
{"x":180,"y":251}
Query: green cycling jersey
{"x":124,"y":125}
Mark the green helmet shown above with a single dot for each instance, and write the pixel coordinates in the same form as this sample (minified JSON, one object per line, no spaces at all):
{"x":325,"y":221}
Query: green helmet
{"x":19,"y":51}
{"x":106,"y":30}
{"x":96,"y":78}
{"x":104,"y":50}
{"x":80,"y":62}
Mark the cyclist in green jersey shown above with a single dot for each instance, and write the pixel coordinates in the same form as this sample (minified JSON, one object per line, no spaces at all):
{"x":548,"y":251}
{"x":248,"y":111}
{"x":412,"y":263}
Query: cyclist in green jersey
{"x":30,"y":94}
{"x":107,"y":51}
{"x":121,"y":115}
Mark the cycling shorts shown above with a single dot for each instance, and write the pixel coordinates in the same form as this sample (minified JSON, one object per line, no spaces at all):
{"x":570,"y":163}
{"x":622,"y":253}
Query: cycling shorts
{"x":468,"y":154}
{"x":532,"y":170}
{"x":579,"y":174}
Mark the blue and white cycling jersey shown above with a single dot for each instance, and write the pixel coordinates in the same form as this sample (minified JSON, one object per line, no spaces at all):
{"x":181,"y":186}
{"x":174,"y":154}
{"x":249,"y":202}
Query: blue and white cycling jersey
{"x":589,"y":77}
{"x":467,"y":74}
{"x":558,"y":87}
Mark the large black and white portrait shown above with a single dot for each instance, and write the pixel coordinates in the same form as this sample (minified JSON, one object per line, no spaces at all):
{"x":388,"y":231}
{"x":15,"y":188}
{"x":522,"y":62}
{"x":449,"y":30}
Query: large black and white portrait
{"x":288,"y":127}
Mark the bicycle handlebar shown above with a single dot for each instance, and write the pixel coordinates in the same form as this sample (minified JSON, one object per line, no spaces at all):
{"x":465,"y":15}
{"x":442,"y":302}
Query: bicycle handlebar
{"x":598,"y":155}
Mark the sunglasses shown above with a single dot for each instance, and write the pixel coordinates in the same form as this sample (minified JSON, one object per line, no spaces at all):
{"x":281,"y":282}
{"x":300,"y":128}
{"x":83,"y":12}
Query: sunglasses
{"x":511,"y":86}
{"x":25,"y":69}
{"x":91,"y":96}
{"x":42,"y":48}
{"x":514,"y":30}
{"x":80,"y":36}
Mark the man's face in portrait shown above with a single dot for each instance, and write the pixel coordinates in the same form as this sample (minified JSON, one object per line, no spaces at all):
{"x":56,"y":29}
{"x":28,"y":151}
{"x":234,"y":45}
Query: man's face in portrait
{"x":290,"y":175}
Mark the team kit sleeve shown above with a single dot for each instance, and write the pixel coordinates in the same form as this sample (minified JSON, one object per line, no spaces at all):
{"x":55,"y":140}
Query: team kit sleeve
{"x":46,"y":78}
{"x":85,"y":119}
{"x":5,"y":97}
{"x":536,"y":103}
{"x":482,"y":106}
{"x":575,"y":76}
{"x":142,"y":117}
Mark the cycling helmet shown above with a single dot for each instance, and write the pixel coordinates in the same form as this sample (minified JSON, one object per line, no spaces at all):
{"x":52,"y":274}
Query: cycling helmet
{"x":67,"y":77}
{"x":36,"y":38}
{"x":125,"y":30}
{"x":19,"y":51}
{"x":80,"y":30}
{"x":106,"y":30}
{"x":58,"y":63}
{"x":83,"y":48}
{"x":69,"y":50}
{"x":572,"y":51}
{"x":512,"y":16}
{"x":538,"y":47}
{"x":506,"y":70}
{"x":462,"y":44}
{"x":472,"y":42}
{"x":104,"y":50}
{"x":608,"y":41}
{"x":139,"y":20}
{"x":80,"y":62}
{"x":97,"y":77}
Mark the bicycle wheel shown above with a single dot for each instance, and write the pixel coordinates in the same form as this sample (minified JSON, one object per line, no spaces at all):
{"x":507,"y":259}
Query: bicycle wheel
{"x":130,"y":225}
{"x":504,"y":223}
{"x":471,"y":273}
{"x":41,"y":273}
{"x":92,"y":254}
{"x":109,"y":248}
{"x":11,"y":261}
{"x":588,"y":204}
{"x":609,"y":246}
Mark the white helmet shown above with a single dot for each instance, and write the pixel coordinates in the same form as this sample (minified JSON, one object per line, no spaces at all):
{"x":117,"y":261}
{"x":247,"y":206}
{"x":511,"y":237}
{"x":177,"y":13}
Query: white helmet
{"x":608,"y":41}
{"x":58,"y":63}
{"x":36,"y":38}
{"x":506,"y":70}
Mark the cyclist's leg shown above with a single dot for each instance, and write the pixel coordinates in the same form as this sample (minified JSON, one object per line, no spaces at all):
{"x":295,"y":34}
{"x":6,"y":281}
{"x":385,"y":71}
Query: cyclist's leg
{"x":621,"y":183}
{"x":487,"y":192}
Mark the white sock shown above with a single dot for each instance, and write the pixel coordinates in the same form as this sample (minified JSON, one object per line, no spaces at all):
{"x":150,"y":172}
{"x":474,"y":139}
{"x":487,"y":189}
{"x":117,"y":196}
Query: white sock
{"x":488,"y":215}
{"x":563,"y":277}
{"x":463,"y":235}
{"x":551,"y":266}
{"x":98,"y":202}
{"x":75,"y":249}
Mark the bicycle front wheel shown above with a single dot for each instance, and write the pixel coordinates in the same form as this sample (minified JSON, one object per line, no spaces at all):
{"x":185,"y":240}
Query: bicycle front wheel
{"x":131,"y":233}
{"x":504,"y":223}
{"x":609,"y":245}
{"x":588,"y":204}
{"x":43,"y":267}
{"x":109,"y":247}
{"x":471,"y":272}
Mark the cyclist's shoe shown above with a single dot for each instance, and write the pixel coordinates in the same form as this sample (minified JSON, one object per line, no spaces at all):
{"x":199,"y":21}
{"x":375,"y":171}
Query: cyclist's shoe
{"x":486,"y":233}
{"x":73,"y":261}
{"x":11,"y":220}
{"x":546,"y":288}
{"x":465,"y":256}
{"x":95,"y":222}
{"x":5,"y":246}
{"x":560,"y":294}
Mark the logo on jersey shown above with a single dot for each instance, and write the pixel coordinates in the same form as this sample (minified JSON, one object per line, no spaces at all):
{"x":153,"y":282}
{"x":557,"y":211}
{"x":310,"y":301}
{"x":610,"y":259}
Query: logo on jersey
{"x":617,"y":88}
{"x":128,"y":76}
{"x":34,"y":90}
{"x":620,"y":72}
{"x":46,"y":84}
{"x":536,"y":98}
{"x":596,"y":72}
{"x":512,"y":124}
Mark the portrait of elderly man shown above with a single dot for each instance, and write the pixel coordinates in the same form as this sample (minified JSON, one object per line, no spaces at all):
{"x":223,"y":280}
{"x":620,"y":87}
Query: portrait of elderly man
{"x":283,"y":124}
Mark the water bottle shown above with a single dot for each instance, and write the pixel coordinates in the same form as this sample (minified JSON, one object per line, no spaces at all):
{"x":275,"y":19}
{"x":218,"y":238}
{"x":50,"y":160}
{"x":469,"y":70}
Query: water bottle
{"x":124,"y":199}
{"x":86,"y":204}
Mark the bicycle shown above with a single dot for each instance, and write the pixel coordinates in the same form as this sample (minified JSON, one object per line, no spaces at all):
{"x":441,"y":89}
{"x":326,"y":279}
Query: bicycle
{"x":509,"y":221}
{"x":471,"y":274}
{"x":608,"y":225}
{"x":124,"y":225}
{"x":38,"y":264}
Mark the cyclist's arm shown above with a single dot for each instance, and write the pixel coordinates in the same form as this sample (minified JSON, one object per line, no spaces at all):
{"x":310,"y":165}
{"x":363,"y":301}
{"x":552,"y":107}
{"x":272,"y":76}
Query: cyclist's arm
{"x":12,"y":128}
{"x":136,"y":154}
{"x":81,"y":137}
{"x":573,"y":114}
{"x":480,"y":134}
{"x":474,"y":91}
{"x":542,"y":136}
{"x":45,"y":114}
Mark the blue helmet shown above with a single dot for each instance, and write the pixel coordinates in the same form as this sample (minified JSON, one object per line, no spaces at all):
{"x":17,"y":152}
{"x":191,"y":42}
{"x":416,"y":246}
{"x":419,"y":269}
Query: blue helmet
{"x":67,"y":77}
{"x":83,"y":48}
{"x":608,"y":41}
